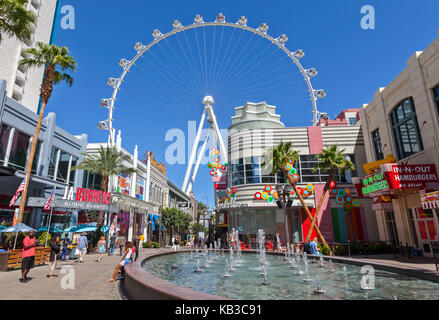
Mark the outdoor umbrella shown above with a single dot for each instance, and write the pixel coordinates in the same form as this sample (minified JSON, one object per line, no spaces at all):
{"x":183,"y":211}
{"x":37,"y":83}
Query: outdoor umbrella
{"x":19,"y":227}
{"x":81,"y":228}
{"x":105,"y":229}
{"x":52,"y":229}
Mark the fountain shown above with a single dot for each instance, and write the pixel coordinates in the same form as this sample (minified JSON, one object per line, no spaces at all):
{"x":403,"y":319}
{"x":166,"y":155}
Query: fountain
{"x":321,"y":262}
{"x":198,"y":266}
{"x":318,"y":289}
{"x":226,"y":273}
{"x":174,"y":266}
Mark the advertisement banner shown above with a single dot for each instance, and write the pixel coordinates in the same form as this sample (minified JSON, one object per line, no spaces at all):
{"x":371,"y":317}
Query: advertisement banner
{"x":429,"y":200}
{"x":371,"y":185}
{"x":123,"y":184}
{"x":140,"y":187}
{"x":220,"y":183}
{"x":419,"y":176}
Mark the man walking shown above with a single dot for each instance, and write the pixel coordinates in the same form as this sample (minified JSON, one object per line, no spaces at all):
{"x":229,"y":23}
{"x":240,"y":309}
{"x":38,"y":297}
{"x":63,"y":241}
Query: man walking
{"x":121,"y":243}
{"x":112,"y":245}
{"x":82,"y":247}
{"x":28,"y":255}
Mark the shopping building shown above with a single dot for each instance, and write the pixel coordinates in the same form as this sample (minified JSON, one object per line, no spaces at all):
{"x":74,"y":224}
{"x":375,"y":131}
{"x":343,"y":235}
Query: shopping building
{"x":256,"y":128}
{"x":401,"y":134}
{"x":23,"y":83}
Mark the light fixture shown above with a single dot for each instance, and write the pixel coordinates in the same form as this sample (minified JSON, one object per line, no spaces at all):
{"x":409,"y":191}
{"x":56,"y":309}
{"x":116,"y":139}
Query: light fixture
{"x":102,"y":125}
{"x":138,"y":46}
{"x":177,"y":24}
{"x":312,"y":72}
{"x":198,"y":19}
{"x":157,"y":34}
{"x":112,"y":82}
{"x":263,"y":28}
{"x":282,"y":39}
{"x":220,"y":18}
{"x":299,"y":53}
{"x":242,"y":21}
{"x":320,"y":93}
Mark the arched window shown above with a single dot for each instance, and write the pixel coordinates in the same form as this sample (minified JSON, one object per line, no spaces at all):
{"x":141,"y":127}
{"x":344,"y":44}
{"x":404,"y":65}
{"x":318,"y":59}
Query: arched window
{"x":406,"y":129}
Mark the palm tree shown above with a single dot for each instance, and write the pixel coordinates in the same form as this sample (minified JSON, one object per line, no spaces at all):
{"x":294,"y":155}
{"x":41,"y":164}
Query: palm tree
{"x":15,"y":20}
{"x":331,"y":158}
{"x":56,"y":60}
{"x":277,"y":158}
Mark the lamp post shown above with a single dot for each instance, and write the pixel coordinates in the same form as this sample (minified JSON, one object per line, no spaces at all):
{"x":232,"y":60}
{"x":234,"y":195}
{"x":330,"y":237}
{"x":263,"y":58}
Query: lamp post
{"x":284,"y":202}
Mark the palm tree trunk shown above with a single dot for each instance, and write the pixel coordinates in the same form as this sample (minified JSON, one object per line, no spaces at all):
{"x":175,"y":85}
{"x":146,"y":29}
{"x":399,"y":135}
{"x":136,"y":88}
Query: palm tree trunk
{"x":305,"y":207}
{"x":30,"y":161}
{"x":319,"y":205}
{"x":104,"y":187}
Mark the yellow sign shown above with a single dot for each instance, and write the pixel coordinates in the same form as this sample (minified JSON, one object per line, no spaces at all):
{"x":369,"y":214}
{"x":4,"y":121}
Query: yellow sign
{"x":158,"y":165}
{"x":370,"y":167}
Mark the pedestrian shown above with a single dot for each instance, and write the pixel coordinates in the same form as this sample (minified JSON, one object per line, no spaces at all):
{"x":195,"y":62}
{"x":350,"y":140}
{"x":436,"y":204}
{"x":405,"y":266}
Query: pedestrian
{"x":177,"y":243}
{"x":112,"y":245}
{"x":192,"y":242}
{"x":136,"y":246}
{"x":64,"y":249}
{"x":54,"y":251}
{"x":127,"y":259}
{"x":82,"y":246}
{"x":173,"y":242}
{"x":28,"y":255}
{"x":101,"y":249}
{"x":121,"y":241}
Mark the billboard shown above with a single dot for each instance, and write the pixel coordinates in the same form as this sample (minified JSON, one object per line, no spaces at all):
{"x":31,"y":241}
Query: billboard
{"x":140,"y":188}
{"x":123,"y":184}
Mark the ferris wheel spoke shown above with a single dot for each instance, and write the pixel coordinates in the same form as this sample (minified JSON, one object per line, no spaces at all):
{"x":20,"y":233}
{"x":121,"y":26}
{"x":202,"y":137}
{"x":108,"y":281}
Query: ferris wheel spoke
{"x":224,"y":55}
{"x":217,"y":55}
{"x":199,"y":76}
{"x":199,"y":55}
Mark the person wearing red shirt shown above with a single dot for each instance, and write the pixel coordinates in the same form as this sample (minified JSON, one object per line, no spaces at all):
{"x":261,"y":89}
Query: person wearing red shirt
{"x":28,"y":255}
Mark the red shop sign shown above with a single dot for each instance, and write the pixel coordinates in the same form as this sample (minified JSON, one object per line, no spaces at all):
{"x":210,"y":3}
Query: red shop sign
{"x":421,"y":176}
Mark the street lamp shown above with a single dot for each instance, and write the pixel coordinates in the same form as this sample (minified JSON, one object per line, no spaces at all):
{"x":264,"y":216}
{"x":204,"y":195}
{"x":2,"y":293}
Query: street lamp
{"x":284,"y":202}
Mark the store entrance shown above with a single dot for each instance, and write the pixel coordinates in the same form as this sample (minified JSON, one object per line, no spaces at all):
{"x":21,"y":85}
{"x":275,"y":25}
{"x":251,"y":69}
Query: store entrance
{"x":428,"y":229}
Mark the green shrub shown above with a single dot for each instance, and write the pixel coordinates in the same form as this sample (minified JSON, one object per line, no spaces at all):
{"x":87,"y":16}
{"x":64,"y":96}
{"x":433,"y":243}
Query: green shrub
{"x":155,"y":244}
{"x":146,"y":245}
{"x":325,"y":250}
{"x":182,"y":243}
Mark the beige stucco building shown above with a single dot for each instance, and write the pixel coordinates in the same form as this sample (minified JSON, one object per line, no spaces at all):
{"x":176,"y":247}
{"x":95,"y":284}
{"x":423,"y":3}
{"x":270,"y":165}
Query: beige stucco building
{"x":403,"y":120}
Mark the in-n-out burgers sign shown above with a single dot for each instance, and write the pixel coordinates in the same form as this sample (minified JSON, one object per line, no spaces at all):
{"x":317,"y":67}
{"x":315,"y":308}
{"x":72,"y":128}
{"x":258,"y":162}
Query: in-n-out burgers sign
{"x":87,"y":195}
{"x":423,"y":176}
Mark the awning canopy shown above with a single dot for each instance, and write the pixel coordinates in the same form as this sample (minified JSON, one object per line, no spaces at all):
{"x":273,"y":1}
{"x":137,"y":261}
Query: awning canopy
{"x":20,"y":227}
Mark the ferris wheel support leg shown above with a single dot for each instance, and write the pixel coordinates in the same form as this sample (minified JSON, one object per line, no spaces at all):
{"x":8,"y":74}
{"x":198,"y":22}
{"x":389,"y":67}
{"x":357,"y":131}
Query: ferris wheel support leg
{"x":194,"y":151}
{"x":218,"y":134}
{"x":197,"y":165}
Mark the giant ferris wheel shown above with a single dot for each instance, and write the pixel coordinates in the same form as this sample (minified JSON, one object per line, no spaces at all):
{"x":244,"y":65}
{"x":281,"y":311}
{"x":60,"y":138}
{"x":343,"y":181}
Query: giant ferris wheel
{"x":208,"y":101}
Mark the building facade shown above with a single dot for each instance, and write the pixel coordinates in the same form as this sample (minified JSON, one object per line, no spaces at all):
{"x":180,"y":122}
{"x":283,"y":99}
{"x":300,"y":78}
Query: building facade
{"x":256,"y":128}
{"x":23,"y":84}
{"x":401,"y":124}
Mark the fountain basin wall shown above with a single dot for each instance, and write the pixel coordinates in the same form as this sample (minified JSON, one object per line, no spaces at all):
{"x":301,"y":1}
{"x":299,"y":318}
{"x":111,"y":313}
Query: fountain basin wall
{"x":141,"y":285}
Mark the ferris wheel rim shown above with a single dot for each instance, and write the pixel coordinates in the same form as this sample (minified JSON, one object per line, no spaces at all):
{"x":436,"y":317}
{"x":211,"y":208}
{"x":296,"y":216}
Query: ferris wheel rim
{"x":158,"y":37}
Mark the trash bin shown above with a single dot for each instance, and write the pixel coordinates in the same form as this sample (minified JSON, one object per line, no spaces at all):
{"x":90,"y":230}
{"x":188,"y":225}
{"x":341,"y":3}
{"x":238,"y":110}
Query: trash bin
{"x":4,"y":255}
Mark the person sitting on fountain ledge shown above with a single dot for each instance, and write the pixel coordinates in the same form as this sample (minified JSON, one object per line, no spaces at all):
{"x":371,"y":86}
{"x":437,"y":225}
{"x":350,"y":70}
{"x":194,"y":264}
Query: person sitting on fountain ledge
{"x":314,"y":249}
{"x":306,"y":247}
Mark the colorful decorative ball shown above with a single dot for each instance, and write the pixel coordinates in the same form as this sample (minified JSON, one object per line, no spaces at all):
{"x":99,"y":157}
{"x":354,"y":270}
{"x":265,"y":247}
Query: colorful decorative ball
{"x":299,"y":189}
{"x":270,"y":199}
{"x":295,"y":177}
{"x":275,"y":195}
{"x":332,"y":184}
{"x":355,"y":203}
{"x":310,"y":187}
{"x":268,"y":188}
{"x":348,"y":206}
{"x":292,"y":193}
{"x":233,"y":189}
{"x":258,"y":196}
{"x":339,"y":199}
{"x":293,"y":171}
{"x":211,"y":172}
{"x":341,"y":192}
{"x":333,"y":192}
{"x":305,"y":193}
{"x":265,"y":195}
{"x":288,"y":166}
{"x":217,"y":160}
{"x":348,"y":199}
{"x":347,"y":190}
{"x":209,"y":165}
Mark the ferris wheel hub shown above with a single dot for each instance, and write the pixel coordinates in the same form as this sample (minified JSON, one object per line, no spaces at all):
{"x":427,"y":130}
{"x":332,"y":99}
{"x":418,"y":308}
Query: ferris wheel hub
{"x":208,"y":100}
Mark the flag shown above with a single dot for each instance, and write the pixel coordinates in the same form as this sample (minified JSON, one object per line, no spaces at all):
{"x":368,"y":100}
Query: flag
{"x":50,"y":200}
{"x":18,"y":192}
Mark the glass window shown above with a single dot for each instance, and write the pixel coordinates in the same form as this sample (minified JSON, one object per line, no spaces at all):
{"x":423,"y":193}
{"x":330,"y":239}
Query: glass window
{"x":19,"y":150}
{"x":63,"y":166}
{"x":73,"y":172}
{"x":52,"y":163}
{"x":352,"y":121}
{"x":4,"y":138}
{"x":436,"y":97}
{"x":376,"y":140}
{"x":252,"y":170}
{"x":405,"y":129}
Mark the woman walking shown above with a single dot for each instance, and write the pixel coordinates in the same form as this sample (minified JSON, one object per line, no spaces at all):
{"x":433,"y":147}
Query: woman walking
{"x":127,"y":259}
{"x":54,"y":251}
{"x":101,"y":249}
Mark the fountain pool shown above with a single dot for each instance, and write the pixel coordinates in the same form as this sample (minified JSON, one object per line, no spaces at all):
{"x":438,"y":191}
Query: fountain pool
{"x":335,"y":280}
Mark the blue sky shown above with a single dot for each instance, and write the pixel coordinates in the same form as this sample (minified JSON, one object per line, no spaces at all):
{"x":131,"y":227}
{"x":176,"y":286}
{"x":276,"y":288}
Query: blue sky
{"x":164,"y":89}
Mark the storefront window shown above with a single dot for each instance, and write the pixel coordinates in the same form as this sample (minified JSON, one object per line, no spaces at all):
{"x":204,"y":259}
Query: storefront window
{"x":92,"y":181}
{"x":376,"y":140}
{"x":405,"y":129}
{"x":63,"y":166}
{"x":436,"y":97}
{"x":19,"y":150}
{"x":52,"y":163}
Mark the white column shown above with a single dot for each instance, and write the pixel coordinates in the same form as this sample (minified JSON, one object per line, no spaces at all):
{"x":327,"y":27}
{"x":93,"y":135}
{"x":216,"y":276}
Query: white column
{"x":68,"y":169}
{"x":130,"y":228}
{"x":197,"y":165}
{"x":218,"y":133}
{"x":9,"y":147}
{"x":55,"y":173}
{"x":194,"y":150}
{"x":133,"y":195}
{"x":148,"y":177}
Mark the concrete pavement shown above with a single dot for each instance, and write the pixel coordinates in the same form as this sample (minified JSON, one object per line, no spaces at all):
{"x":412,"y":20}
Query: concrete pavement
{"x":90,"y":281}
